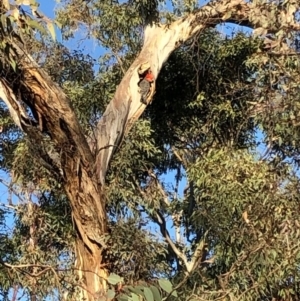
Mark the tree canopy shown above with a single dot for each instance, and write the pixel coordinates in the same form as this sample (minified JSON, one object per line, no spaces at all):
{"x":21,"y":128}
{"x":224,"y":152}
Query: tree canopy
{"x":191,"y":196}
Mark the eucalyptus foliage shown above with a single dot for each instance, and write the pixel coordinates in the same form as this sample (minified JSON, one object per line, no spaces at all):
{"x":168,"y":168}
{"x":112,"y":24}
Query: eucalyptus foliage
{"x":202,"y":196}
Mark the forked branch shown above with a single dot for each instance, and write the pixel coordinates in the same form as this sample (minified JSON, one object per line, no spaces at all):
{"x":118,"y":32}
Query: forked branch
{"x":160,"y":41}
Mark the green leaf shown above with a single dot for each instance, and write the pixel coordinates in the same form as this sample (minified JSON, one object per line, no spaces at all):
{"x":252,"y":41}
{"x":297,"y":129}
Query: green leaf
{"x":166,"y":285}
{"x":110,"y":294}
{"x":123,"y":298}
{"x":13,"y":64}
{"x":36,"y":25}
{"x":3,"y":21}
{"x":58,"y":24}
{"x":137,"y":290}
{"x":156,"y":293}
{"x":134,"y":297}
{"x":148,"y":294}
{"x":114,"y":279}
{"x":51,"y":29}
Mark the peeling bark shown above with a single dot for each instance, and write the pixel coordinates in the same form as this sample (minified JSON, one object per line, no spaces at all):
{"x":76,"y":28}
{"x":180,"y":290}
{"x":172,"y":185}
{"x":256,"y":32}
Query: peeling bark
{"x":15,"y":109}
{"x":76,"y":161}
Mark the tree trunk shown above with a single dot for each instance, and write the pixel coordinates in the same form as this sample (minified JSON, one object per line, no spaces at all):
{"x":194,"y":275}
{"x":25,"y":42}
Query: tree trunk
{"x":90,"y":270}
{"x":90,"y":219}
{"x":76,"y":161}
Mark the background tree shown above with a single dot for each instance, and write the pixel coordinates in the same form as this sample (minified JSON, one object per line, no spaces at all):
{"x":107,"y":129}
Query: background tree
{"x":92,"y":170}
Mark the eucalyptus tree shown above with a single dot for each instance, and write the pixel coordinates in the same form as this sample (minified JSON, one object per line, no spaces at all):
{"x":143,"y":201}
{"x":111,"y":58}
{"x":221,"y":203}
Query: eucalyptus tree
{"x":83,"y":153}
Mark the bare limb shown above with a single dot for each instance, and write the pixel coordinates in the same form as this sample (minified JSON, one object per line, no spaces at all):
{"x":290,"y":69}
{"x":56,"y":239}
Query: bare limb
{"x":22,"y":266}
{"x":176,"y":216}
{"x":119,"y":61}
{"x":197,"y":256}
{"x":161,"y":189}
{"x":160,"y":220}
{"x":15,"y":293}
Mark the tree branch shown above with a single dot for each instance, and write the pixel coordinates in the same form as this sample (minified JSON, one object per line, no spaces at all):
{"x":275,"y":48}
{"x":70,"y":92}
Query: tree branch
{"x":176,"y":216}
{"x":160,"y":41}
{"x":47,"y":99}
{"x":160,"y":220}
{"x":60,"y":124}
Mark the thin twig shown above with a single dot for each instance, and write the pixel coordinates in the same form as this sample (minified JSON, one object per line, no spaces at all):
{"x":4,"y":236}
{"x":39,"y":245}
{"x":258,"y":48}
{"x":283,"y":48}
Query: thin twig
{"x":12,"y":189}
{"x":119,"y":61}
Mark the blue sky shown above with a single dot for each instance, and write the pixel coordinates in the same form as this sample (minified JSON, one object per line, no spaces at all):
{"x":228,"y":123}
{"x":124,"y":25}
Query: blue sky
{"x":47,"y":7}
{"x":79,"y":42}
